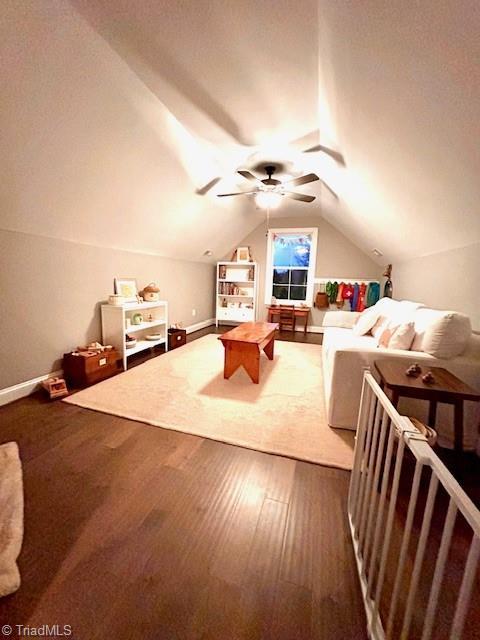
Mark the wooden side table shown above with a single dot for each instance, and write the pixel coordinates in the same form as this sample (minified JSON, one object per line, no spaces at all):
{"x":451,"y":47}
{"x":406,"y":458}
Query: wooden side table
{"x":447,"y":388}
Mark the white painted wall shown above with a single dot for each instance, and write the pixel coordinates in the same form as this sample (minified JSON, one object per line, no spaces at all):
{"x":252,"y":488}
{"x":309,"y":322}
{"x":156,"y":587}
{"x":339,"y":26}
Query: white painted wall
{"x":337,"y":257}
{"x":51,"y":291}
{"x":446,"y":280}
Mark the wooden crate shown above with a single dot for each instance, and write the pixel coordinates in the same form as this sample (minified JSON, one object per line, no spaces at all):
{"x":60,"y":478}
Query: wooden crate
{"x":176,"y":338}
{"x":89,"y":367}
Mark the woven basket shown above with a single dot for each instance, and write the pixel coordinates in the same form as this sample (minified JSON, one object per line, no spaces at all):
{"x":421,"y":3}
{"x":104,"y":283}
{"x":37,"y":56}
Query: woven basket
{"x":321,"y":300}
{"x":429,"y":433}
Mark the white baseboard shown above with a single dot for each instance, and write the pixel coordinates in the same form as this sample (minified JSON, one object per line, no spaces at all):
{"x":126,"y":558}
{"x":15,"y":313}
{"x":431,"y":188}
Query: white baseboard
{"x":200,"y":325}
{"x":310,"y":328}
{"x":9,"y":394}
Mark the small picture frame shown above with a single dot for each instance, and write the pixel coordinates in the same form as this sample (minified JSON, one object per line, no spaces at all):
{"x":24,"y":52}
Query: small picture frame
{"x":126,"y":287}
{"x":243,"y":254}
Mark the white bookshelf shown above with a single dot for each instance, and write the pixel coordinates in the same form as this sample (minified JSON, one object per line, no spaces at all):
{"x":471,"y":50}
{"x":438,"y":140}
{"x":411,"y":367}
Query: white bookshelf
{"x":237,"y":289}
{"x":117,"y":323}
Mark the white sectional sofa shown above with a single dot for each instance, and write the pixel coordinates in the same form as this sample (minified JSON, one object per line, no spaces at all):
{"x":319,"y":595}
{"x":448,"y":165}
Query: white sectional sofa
{"x":446,"y":334}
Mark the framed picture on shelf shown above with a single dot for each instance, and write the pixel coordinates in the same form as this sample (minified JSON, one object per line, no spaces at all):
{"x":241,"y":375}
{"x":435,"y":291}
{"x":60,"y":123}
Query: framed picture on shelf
{"x":243,"y":254}
{"x":126,"y":287}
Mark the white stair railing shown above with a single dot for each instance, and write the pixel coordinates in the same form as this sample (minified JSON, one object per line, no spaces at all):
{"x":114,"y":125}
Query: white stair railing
{"x":383,"y":438}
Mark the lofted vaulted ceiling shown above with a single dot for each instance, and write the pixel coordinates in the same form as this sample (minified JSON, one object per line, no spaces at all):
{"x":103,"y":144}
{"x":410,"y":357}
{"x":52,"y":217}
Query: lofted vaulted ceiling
{"x":117,"y":113}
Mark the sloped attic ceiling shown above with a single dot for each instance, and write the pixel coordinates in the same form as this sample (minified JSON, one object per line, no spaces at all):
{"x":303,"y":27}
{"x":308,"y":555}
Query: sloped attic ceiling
{"x":116,"y":112}
{"x":399,"y":93}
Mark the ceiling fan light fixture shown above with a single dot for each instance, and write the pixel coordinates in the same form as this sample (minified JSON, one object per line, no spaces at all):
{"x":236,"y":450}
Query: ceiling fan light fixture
{"x":268,"y":199}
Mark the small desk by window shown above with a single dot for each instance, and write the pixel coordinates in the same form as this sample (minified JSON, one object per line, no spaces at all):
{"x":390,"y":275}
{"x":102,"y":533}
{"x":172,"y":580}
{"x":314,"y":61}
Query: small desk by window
{"x":300,"y":312}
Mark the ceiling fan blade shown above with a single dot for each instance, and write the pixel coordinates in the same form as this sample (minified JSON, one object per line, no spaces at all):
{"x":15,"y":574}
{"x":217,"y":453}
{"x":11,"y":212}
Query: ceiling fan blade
{"x":249,"y":176}
{"x":310,"y":177}
{"x":336,"y":155}
{"x":238,"y":193}
{"x":206,"y":188}
{"x":299,"y":196}
{"x":329,"y":189}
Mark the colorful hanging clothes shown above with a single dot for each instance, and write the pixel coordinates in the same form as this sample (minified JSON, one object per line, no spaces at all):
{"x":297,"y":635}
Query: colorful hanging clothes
{"x":334,"y":291}
{"x":373,"y":293}
{"x":361,"y":297}
{"x":331,"y":290}
{"x":348,"y":292}
{"x":354,"y":300}
{"x":339,"y":299}
{"x":328,"y":290}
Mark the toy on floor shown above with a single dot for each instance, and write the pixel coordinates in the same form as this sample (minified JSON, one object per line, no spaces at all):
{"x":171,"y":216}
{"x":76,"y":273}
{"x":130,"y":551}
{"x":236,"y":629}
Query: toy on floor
{"x":55,"y":387}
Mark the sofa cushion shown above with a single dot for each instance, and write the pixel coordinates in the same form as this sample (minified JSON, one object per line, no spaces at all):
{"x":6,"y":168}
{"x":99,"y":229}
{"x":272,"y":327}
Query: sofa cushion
{"x":386,"y":310}
{"x":342,"y":319}
{"x":443,"y":334}
{"x":366,"y":321}
{"x":402,"y":336}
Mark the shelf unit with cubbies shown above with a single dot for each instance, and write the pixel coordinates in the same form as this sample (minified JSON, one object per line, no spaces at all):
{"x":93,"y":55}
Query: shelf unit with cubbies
{"x":236,"y":292}
{"x":117,"y":322}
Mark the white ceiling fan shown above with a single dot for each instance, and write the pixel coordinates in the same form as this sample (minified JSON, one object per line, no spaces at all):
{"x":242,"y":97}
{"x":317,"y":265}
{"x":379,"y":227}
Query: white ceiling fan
{"x":269,"y":191}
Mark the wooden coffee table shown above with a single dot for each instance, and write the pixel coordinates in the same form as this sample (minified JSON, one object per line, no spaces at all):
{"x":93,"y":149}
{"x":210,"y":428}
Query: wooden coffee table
{"x":243,"y":346}
{"x":447,"y":388}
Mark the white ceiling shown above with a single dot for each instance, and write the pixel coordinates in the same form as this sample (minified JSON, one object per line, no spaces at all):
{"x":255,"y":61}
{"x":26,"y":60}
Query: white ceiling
{"x":117,"y":112}
{"x":400,"y":95}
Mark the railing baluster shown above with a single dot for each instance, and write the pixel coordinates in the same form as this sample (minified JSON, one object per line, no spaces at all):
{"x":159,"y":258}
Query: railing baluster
{"x":372,"y":523}
{"x":381,"y":509}
{"x":465,"y":590}
{"x":439,"y":569}
{"x":404,"y":548}
{"x":371,"y":466}
{"x":357,"y":512}
{"x":359,"y":444}
{"x":389,"y":527}
{"x":417,"y":566}
{"x":374,"y":488}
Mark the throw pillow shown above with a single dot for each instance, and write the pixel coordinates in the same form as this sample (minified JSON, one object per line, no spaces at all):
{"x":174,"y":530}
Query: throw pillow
{"x":385,"y":337}
{"x":448,"y":336}
{"x":365,"y":321}
{"x":402,"y":337}
{"x":379,"y":327}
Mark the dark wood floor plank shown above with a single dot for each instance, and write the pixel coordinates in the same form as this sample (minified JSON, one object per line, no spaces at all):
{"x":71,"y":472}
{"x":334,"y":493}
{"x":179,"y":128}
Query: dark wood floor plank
{"x":300,"y":538}
{"x":335,"y":592}
{"x":132,"y":531}
{"x":280,"y":481}
{"x":233,"y":551}
{"x":292,"y":613}
{"x":262,"y":570}
{"x":224,"y":613}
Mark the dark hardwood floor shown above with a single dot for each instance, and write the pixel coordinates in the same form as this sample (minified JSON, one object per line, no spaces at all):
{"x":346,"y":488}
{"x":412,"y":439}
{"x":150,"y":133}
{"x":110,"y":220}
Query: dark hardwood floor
{"x":132,"y":531}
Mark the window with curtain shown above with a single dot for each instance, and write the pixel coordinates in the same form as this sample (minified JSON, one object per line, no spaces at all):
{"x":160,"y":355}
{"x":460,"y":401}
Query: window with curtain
{"x":290,"y":269}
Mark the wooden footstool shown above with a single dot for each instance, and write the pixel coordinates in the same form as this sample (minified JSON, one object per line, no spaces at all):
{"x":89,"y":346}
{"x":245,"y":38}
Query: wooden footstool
{"x":243,"y":346}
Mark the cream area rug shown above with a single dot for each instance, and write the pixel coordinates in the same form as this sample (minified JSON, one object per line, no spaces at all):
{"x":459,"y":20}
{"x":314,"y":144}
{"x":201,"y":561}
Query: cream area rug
{"x":185,"y":390}
{"x":11,"y":517}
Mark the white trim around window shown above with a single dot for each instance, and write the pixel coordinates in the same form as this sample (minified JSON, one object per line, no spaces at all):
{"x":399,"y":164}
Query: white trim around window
{"x":310,"y":271}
